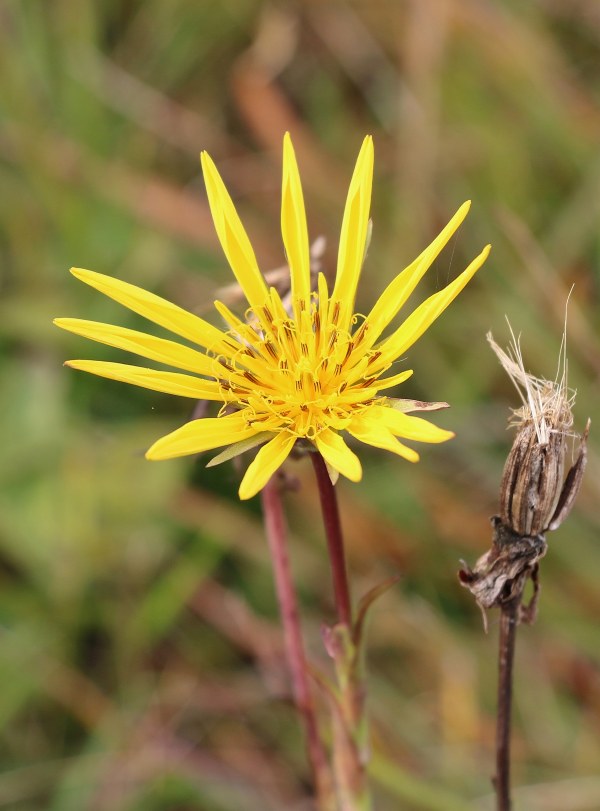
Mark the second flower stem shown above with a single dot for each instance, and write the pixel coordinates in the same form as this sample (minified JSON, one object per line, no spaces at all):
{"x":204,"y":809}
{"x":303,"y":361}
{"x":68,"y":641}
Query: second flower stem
{"x":335,"y":542}
{"x":294,"y":647}
{"x":506,"y":655}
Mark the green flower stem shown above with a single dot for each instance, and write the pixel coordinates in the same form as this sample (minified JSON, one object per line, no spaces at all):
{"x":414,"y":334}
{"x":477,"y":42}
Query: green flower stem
{"x":350,"y":729}
{"x":294,"y":647}
{"x":335,"y":541}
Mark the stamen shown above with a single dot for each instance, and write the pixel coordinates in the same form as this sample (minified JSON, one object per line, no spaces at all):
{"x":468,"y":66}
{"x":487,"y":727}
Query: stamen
{"x":270,"y":347}
{"x":360,"y":333}
{"x":290,"y":340}
{"x":307,"y":384}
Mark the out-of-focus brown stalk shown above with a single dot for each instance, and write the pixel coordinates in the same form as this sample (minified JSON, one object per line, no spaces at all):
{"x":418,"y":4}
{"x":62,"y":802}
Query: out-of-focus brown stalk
{"x":294,"y":646}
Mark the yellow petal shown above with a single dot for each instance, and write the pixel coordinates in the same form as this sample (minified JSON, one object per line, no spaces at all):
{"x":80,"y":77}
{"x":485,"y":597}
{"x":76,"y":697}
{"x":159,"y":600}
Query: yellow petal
{"x":395,"y":380}
{"x":242,"y":328}
{"x":397,"y":292}
{"x":269,"y":459}
{"x":232,"y":236}
{"x":158,"y":310}
{"x":293,"y":227}
{"x":353,"y":235}
{"x":202,"y":435}
{"x":336,"y":453}
{"x":368,"y":430}
{"x":403,"y":425}
{"x":147,"y":346}
{"x":323,"y":298}
{"x":422,"y":318}
{"x":168,"y":382}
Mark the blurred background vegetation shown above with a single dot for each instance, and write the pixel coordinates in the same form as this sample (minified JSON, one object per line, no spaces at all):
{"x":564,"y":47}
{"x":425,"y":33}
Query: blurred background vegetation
{"x":140,"y":656}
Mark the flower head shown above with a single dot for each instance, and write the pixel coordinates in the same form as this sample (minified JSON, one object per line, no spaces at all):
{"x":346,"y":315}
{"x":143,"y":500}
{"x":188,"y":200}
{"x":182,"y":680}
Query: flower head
{"x":309,"y":374}
{"x":535,"y":494}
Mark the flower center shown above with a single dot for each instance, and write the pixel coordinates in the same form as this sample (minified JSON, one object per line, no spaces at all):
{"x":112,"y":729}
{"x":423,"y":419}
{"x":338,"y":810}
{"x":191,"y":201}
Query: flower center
{"x":299,"y":375}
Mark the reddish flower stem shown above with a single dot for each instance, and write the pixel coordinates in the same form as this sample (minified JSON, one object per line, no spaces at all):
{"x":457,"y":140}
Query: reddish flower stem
{"x":294,"y":646}
{"x":335,"y":541}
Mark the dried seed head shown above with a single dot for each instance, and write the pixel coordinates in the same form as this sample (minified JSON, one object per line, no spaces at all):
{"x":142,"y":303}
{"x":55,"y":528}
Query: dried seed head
{"x":534,"y":495}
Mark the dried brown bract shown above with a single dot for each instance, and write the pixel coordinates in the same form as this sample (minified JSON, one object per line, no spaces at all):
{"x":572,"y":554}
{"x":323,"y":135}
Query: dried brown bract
{"x":535,"y":495}
{"x":499,"y":577}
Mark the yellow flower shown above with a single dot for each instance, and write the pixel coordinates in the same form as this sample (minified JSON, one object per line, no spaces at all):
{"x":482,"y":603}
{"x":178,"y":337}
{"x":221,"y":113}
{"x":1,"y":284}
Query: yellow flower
{"x":308,"y":375}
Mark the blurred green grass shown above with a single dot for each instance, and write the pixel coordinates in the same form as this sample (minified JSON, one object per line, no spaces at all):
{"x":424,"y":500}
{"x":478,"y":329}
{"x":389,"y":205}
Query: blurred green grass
{"x":140,"y":659}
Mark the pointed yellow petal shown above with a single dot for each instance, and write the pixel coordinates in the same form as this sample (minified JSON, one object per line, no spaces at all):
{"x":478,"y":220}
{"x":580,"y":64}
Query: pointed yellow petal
{"x":403,"y":425}
{"x":422,"y":318}
{"x":168,"y":382}
{"x":323,"y":298}
{"x":395,"y":380}
{"x":232,"y":236}
{"x":368,"y":430}
{"x":201,"y":435}
{"x":353,"y":235}
{"x":268,"y":460}
{"x":336,"y":453}
{"x":158,"y":310}
{"x":147,"y":346}
{"x":293,"y":227}
{"x":242,"y":328}
{"x":397,"y":292}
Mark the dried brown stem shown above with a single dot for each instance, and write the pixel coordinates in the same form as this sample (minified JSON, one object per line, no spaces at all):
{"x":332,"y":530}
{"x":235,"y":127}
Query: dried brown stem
{"x":509,"y":618}
{"x":294,"y":646}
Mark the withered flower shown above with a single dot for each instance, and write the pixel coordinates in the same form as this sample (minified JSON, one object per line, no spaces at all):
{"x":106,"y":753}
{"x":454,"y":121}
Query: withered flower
{"x":535,"y":495}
